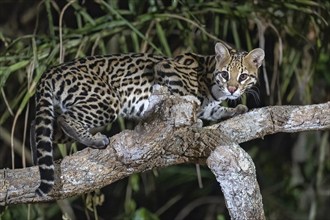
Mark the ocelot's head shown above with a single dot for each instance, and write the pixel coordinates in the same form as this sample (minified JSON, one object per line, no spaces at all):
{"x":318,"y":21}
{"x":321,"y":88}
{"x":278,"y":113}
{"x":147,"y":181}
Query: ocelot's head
{"x":235,"y":72}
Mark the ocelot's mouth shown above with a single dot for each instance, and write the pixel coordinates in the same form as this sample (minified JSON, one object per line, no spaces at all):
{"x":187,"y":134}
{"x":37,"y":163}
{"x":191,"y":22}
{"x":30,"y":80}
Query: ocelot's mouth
{"x":232,"y":97}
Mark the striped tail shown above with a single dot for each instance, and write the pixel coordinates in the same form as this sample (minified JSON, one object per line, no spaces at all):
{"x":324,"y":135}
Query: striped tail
{"x":43,"y":130}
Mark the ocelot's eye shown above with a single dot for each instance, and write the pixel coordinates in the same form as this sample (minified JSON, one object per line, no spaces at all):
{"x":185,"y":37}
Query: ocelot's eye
{"x":224,"y":74}
{"x":243,"y":77}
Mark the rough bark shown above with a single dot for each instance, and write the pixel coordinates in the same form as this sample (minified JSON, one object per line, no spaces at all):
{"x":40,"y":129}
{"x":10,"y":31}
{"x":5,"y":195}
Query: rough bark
{"x":235,"y":171}
{"x":171,"y":135}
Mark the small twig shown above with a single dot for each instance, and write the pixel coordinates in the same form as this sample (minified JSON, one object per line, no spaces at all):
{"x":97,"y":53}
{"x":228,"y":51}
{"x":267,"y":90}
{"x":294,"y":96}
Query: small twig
{"x":61,"y":59}
{"x":6,"y":102}
{"x":195,"y":25}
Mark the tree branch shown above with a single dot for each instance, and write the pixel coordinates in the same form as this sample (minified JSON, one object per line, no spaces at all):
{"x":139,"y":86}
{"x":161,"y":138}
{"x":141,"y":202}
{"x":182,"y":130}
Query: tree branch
{"x":235,"y":171}
{"x":171,"y":136}
{"x":270,"y":120}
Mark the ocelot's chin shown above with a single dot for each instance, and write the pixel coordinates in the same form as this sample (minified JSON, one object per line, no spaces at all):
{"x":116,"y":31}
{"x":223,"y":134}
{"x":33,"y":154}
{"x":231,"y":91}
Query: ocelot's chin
{"x":232,"y":97}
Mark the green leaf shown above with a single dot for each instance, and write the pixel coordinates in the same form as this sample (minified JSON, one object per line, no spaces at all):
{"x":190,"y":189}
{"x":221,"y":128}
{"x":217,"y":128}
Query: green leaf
{"x":144,"y":214}
{"x":163,"y":39}
{"x":134,"y":180}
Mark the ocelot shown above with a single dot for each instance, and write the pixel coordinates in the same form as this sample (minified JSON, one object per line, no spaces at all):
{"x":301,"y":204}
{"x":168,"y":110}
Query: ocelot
{"x":74,"y":98}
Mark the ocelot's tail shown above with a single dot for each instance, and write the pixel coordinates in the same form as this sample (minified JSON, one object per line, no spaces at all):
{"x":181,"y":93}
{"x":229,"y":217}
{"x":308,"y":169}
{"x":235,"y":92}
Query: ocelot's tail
{"x":43,"y":130}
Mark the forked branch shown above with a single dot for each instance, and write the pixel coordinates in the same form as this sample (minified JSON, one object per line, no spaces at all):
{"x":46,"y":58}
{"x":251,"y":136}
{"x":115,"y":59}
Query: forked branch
{"x":171,"y":135}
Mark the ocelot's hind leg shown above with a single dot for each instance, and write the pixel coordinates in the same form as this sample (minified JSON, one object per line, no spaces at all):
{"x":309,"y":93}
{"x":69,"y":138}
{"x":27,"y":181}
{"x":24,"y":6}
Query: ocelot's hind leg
{"x":96,"y":109}
{"x":80,"y":132}
{"x":79,"y":121}
{"x":59,"y":136}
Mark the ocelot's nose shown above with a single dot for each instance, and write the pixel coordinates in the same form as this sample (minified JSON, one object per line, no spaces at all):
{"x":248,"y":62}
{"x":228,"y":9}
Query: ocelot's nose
{"x":232,"y":89}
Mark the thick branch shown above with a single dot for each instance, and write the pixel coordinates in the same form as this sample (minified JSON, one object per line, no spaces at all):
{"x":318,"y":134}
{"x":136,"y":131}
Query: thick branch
{"x":169,"y":136}
{"x":235,"y":171}
{"x":163,"y":139}
{"x":270,"y":120}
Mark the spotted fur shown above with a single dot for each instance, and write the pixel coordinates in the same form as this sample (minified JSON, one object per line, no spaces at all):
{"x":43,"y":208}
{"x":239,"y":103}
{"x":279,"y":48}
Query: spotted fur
{"x":74,"y":98}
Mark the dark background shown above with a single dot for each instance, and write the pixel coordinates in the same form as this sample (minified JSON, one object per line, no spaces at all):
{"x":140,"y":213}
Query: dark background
{"x":293,"y":169}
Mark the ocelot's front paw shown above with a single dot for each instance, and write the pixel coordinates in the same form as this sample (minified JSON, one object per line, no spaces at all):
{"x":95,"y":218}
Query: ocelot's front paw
{"x":240,"y":109}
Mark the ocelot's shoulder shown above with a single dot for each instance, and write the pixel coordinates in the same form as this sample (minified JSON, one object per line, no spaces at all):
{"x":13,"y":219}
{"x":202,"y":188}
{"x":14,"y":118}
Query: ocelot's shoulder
{"x":194,"y":60}
{"x":189,"y":59}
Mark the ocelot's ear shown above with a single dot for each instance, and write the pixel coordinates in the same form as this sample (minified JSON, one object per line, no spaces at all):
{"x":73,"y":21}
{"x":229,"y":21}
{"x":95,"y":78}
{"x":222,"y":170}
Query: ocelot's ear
{"x":255,"y":57}
{"x":221,"y":52}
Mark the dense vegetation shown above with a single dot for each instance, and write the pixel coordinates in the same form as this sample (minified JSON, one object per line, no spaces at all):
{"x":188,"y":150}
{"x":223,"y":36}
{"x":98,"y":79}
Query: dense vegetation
{"x":293,"y":169}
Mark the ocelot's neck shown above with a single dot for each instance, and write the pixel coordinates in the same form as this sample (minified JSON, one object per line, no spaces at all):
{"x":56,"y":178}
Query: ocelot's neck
{"x":206,"y":63}
{"x":205,"y":74}
{"x":214,"y":91}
